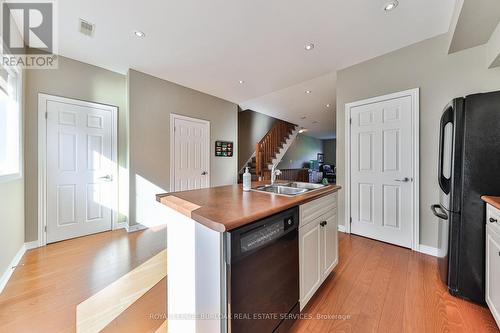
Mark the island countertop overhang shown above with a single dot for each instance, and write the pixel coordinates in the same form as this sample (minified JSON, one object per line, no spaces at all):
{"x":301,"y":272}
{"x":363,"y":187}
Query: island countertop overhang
{"x":225,"y":208}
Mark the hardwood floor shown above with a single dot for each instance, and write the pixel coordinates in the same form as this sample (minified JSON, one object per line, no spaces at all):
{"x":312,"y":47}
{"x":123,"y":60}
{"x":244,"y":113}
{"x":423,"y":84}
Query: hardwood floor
{"x":45,"y":289}
{"x":377,"y":287}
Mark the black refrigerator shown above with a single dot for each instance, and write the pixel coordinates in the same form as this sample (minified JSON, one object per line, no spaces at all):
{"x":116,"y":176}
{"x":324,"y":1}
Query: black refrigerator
{"x":469,"y":167}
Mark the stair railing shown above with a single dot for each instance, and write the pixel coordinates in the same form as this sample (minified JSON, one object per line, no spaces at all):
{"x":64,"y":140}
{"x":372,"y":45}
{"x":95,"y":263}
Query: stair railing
{"x":267,"y":148}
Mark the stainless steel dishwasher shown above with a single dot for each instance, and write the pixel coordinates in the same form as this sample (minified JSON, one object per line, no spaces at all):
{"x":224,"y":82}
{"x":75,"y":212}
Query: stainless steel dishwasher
{"x":263,"y":289}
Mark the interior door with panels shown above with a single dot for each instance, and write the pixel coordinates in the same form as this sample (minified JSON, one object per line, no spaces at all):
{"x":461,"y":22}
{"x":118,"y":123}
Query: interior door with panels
{"x":80,"y":170}
{"x":382,"y":170}
{"x":191,"y":155}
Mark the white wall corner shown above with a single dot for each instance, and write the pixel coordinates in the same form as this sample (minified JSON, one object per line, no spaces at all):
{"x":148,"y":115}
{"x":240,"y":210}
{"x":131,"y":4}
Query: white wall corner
{"x":493,"y":49}
{"x":453,"y":23}
{"x":341,"y":228}
{"x":425,"y":249}
{"x":12,"y":266}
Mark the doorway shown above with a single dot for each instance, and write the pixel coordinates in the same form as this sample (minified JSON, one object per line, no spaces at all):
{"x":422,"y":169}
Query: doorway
{"x":78,"y":185}
{"x":189,"y":153}
{"x":382,"y":158}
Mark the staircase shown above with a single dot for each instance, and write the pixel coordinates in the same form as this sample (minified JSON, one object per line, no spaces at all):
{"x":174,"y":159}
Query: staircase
{"x":271,"y":149}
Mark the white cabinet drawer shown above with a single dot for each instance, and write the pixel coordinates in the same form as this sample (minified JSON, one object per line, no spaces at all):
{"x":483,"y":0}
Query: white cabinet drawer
{"x":314,"y":209}
{"x":493,"y":218}
{"x":493,"y":271}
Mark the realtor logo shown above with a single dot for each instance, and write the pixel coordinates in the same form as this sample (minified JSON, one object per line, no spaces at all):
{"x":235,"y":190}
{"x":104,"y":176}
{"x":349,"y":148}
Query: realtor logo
{"x":28,"y":34}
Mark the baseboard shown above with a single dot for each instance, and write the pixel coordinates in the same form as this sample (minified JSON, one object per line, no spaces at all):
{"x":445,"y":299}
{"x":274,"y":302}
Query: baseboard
{"x":31,"y":245}
{"x":10,"y":269}
{"x":135,"y":227}
{"x":341,"y":228}
{"x":432,"y":251}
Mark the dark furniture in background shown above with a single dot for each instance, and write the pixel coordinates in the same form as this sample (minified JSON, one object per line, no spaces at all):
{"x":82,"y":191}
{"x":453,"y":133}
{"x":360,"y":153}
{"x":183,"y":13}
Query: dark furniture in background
{"x":329,"y":172}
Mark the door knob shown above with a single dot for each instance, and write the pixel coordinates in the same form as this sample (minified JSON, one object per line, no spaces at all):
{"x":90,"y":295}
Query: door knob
{"x":204,"y":173}
{"x":404,"y":180}
{"x":108,"y":178}
{"x":492,"y":220}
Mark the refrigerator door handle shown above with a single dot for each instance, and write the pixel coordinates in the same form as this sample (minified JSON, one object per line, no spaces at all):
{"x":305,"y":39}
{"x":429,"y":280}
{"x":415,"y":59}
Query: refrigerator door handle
{"x":446,"y":118}
{"x":442,"y":214}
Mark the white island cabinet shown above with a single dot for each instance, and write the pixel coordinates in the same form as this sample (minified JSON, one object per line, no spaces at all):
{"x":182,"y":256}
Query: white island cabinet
{"x":318,"y":244}
{"x":493,"y":261}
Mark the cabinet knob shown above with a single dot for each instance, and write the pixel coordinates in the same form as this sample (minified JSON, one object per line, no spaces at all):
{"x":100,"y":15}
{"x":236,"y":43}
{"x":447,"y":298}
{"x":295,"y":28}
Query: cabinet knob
{"x":492,"y":220}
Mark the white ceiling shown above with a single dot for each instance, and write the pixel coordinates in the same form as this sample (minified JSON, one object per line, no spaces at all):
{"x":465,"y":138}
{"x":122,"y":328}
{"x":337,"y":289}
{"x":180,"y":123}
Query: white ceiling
{"x":211,"y":45}
{"x":293,"y":104}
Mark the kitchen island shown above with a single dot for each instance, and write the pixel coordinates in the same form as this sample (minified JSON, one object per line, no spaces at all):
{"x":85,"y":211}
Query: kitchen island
{"x":199,"y":228}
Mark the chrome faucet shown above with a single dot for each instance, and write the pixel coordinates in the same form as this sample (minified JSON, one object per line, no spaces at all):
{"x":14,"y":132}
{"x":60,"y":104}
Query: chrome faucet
{"x":274,"y":172}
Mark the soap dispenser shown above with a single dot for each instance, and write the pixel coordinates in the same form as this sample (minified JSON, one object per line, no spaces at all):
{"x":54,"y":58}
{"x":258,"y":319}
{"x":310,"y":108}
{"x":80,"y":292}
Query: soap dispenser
{"x":247,"y":180}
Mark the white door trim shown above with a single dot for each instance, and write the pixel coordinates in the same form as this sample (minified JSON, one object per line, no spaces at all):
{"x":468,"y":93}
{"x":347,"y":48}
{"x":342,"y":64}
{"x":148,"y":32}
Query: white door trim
{"x":174,"y":116}
{"x":42,"y":158}
{"x":414,"y":94}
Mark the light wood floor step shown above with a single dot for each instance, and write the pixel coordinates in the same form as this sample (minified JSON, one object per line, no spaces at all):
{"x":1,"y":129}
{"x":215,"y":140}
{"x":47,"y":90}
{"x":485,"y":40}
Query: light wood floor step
{"x":146,"y":315}
{"x":95,"y":313}
{"x":162,"y":328}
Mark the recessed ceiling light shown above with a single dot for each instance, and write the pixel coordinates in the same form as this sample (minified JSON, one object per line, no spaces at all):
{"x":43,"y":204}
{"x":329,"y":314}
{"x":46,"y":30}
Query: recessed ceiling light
{"x":308,"y":91}
{"x":309,"y":46}
{"x":139,"y":34}
{"x":241,"y":81}
{"x":328,"y":105}
{"x":391,"y":5}
{"x":302,"y":130}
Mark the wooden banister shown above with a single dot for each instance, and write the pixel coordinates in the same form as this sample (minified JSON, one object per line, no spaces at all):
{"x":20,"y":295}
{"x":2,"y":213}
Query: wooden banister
{"x":267,"y":148}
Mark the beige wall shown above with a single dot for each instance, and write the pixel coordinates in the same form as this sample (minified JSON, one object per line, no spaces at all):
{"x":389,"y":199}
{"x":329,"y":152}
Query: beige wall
{"x":440,"y":77}
{"x":151,"y":101}
{"x":73,"y":79}
{"x":11,"y":221}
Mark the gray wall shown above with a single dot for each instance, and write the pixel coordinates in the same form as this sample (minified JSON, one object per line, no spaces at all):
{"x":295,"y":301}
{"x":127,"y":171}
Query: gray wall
{"x":151,"y":101}
{"x":302,"y":150}
{"x":73,"y":79}
{"x":252,"y":126}
{"x":12,"y":221}
{"x":330,"y":150}
{"x":441,"y":77}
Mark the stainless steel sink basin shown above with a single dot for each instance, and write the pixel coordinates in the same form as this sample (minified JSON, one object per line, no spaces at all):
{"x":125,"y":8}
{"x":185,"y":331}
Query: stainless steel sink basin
{"x":307,"y":186}
{"x":289,"y":188}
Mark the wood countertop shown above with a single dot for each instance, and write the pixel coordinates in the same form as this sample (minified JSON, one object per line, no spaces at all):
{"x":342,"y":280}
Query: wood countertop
{"x":494,"y":201}
{"x":225,"y":208}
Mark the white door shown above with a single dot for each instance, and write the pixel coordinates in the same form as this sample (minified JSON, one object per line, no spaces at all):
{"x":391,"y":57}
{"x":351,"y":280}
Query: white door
{"x":382,"y":170}
{"x":80,"y":168}
{"x":191,"y":153}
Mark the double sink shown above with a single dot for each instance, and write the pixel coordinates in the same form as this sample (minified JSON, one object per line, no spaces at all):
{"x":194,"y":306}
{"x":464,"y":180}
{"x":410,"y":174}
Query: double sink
{"x":289,"y":188}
